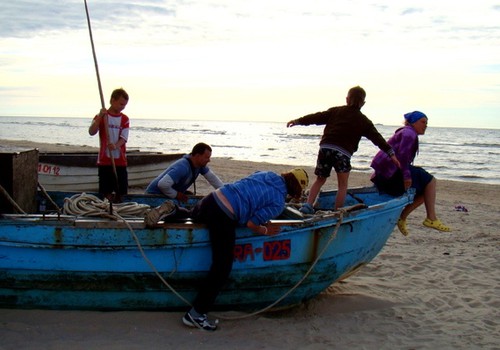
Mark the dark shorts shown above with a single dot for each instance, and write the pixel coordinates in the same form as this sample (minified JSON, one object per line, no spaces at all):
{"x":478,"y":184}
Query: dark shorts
{"x":330,"y":158}
{"x":394,"y":186}
{"x":107,"y":180}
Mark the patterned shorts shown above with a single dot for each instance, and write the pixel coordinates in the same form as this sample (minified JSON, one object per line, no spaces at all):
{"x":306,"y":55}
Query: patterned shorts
{"x":329,"y":158}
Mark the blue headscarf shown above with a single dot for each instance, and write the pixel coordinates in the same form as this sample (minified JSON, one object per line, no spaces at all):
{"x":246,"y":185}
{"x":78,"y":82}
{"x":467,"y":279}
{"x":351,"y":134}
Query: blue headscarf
{"x":412,"y":117}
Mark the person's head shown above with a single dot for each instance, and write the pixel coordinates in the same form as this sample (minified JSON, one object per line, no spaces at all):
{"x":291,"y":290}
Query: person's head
{"x":417,"y":120}
{"x":118,"y":100}
{"x":296,"y":181}
{"x":200,"y":155}
{"x":356,"y":97}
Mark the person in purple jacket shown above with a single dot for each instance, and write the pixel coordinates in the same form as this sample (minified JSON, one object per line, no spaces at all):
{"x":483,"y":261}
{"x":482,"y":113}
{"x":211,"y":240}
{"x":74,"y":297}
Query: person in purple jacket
{"x":395,"y":181}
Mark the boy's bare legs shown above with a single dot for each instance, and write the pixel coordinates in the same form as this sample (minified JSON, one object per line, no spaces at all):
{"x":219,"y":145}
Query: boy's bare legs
{"x":343,"y":181}
{"x":315,"y":188}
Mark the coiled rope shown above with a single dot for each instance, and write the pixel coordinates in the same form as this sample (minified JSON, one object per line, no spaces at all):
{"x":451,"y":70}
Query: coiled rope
{"x":89,"y":205}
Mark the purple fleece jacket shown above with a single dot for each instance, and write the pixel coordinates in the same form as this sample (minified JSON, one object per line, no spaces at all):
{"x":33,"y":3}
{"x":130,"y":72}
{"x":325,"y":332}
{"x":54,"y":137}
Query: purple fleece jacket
{"x":404,"y":142}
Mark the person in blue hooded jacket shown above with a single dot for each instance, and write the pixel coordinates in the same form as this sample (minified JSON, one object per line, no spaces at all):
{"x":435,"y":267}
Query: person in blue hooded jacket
{"x":250,"y":202}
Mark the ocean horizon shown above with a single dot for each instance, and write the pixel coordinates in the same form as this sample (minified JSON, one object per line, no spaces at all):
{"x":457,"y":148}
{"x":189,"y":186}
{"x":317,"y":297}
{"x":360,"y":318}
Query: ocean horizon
{"x":458,"y":154}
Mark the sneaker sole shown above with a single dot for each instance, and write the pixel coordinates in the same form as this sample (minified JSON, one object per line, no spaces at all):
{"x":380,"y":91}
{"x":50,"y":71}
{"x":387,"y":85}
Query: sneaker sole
{"x":154,"y":215}
{"x":193,"y":324}
{"x":189,"y":323}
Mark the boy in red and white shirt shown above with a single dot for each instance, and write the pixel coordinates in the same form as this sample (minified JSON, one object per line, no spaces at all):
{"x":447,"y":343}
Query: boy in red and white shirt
{"x":113,"y":128}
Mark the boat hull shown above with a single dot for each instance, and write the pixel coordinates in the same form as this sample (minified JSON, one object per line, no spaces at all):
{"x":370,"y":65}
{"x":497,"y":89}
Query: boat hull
{"x":89,"y":263}
{"x":78,"y":171}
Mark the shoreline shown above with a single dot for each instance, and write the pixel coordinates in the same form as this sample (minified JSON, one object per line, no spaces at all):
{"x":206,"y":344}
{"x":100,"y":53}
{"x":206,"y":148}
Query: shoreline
{"x":230,"y":170}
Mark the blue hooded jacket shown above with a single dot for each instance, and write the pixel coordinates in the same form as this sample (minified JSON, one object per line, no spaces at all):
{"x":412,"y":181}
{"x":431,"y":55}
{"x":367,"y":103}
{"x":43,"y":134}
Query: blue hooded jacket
{"x":259,"y":197}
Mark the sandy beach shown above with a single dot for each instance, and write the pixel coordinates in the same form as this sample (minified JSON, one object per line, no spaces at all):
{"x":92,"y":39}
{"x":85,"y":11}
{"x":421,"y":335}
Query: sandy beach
{"x":429,"y":290}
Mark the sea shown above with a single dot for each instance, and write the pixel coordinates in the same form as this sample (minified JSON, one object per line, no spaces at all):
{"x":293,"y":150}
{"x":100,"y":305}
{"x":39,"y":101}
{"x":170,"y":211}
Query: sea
{"x":457,"y":154}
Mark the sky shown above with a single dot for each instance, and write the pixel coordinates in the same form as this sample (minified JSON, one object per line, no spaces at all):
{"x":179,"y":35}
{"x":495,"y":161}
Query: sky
{"x":255,"y":60}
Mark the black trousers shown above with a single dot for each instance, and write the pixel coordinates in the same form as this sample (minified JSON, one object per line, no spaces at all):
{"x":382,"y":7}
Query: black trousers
{"x":222,"y":231}
{"x":107,"y":180}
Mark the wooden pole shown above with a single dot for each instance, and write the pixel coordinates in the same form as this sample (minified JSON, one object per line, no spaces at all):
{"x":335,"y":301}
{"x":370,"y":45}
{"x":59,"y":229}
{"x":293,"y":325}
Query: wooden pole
{"x":106,"y":126}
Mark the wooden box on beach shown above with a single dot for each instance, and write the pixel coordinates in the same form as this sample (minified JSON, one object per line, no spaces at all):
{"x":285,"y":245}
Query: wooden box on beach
{"x":19,"y":178}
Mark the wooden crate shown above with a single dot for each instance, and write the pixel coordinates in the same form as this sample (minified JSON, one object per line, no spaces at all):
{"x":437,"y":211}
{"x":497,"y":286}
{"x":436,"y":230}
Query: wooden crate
{"x":19,"y":177}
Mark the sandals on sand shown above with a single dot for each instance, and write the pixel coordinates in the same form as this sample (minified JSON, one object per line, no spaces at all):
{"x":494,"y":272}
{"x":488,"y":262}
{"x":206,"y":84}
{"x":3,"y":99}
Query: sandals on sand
{"x":402,"y":227}
{"x":437,"y":225}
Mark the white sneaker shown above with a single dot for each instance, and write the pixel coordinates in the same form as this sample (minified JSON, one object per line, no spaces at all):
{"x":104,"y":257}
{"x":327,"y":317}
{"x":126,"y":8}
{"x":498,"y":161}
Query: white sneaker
{"x":201,"y":322}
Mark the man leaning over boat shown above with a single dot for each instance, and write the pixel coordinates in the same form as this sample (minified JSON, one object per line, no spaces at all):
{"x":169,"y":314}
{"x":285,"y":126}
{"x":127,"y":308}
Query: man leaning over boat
{"x":249,"y":202}
{"x":175,"y":181}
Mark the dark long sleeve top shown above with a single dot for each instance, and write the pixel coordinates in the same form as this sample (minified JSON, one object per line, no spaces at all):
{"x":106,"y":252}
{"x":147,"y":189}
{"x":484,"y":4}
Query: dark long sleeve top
{"x":344,"y":127}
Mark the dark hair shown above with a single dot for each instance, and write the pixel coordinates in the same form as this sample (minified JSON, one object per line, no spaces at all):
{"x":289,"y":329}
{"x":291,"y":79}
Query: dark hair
{"x":293,"y":187}
{"x":356,"y":96}
{"x":200,"y":148}
{"x":117,"y":93}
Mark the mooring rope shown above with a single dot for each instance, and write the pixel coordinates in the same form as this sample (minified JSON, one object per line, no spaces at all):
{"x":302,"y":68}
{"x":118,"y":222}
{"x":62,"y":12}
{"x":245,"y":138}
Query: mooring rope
{"x":47,"y":196}
{"x":89,"y":205}
{"x":150,"y":263}
{"x":340,"y":214}
{"x":14,"y":204}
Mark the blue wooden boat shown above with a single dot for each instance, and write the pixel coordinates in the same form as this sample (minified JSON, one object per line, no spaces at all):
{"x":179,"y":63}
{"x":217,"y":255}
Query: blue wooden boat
{"x":59,"y":261}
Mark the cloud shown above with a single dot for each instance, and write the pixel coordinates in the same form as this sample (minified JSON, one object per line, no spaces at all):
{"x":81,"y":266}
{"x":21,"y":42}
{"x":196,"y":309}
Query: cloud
{"x":158,"y":22}
{"x":239,"y":51}
{"x":411,"y":10}
{"x":25,"y":19}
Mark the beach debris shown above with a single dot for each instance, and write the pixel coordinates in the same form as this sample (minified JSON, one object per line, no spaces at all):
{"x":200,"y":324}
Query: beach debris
{"x":461,"y":208}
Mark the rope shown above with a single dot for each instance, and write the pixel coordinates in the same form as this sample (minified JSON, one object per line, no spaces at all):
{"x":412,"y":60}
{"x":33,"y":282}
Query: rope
{"x":89,"y":205}
{"x":151,"y":265}
{"x":47,"y":196}
{"x":7,"y":196}
{"x":341,"y":213}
